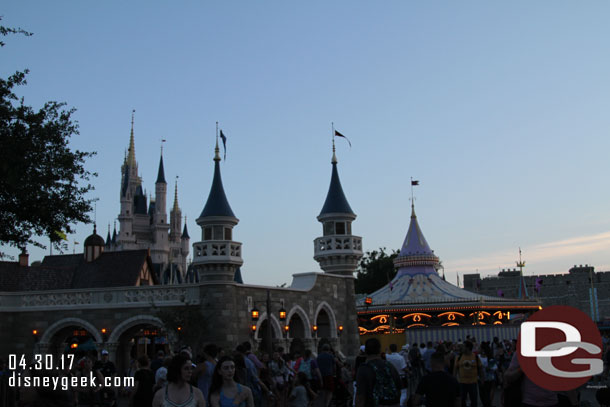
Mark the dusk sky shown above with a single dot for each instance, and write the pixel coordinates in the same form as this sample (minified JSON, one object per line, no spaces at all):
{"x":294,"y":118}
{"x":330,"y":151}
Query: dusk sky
{"x":500,"y":109}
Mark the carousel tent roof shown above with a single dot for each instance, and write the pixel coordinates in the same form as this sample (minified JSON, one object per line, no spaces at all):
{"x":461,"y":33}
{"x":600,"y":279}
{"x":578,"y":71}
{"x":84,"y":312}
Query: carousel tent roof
{"x":417,"y":281}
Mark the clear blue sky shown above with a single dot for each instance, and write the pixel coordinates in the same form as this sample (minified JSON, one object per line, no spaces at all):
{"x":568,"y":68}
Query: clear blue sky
{"x":500,"y":109}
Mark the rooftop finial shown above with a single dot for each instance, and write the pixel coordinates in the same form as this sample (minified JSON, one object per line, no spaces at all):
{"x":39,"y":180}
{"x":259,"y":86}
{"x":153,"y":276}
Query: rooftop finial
{"x":413,"y":183}
{"x":334,"y":159}
{"x":216,"y":149}
{"x":162,"y":141}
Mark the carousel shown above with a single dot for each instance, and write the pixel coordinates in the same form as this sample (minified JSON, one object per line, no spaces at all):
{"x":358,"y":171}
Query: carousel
{"x":419,"y":305}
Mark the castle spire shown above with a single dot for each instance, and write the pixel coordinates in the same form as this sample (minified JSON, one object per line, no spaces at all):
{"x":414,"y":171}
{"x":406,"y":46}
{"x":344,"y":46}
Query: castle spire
{"x":176,"y":195}
{"x":161,"y":173}
{"x":336,"y":202}
{"x":131,"y":156}
{"x":217,"y":203}
{"x":185,"y":232}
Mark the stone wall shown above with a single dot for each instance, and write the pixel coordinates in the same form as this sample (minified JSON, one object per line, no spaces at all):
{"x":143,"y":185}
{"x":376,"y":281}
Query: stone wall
{"x":557,"y":289}
{"x":225,"y":306}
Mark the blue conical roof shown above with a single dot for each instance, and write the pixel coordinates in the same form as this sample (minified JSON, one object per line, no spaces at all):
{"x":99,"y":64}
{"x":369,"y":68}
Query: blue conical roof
{"x":336,"y":202}
{"x":217,"y":203}
{"x":161,"y":173}
{"x":415,"y":243}
{"x":185,"y":232}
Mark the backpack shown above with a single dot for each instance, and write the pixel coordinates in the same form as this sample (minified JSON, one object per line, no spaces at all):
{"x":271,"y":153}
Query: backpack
{"x":385,"y":391}
{"x":415,"y":357}
{"x":305,"y":367}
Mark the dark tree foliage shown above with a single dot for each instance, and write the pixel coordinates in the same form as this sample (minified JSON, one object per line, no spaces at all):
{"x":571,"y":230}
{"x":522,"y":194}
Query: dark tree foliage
{"x":376,"y":269}
{"x":42,"y":182}
{"x":188,"y":322}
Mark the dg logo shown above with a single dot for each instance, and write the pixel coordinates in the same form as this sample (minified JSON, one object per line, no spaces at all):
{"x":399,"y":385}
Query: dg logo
{"x":560,"y":348}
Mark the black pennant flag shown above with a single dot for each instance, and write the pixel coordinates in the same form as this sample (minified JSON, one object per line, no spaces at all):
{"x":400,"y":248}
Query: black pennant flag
{"x":341,"y":135}
{"x":224,"y":143}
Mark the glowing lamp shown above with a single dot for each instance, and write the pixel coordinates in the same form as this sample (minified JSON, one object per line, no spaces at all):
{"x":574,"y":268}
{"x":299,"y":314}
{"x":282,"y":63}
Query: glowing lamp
{"x":35,"y":332}
{"x":287,"y":328}
{"x":103,"y":330}
{"x":255,"y":314}
{"x":282,"y":314}
{"x":315,"y":328}
{"x":179,"y":328}
{"x":74,"y":346}
{"x":368,"y":300}
{"x":253,"y":327}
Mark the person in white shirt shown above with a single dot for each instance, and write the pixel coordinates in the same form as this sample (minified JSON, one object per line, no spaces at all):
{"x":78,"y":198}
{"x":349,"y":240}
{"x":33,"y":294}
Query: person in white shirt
{"x":399,"y":363}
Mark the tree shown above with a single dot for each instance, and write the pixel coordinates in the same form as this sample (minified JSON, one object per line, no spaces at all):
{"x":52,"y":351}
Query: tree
{"x":188,"y":322}
{"x":43,"y":182}
{"x":376,"y":269}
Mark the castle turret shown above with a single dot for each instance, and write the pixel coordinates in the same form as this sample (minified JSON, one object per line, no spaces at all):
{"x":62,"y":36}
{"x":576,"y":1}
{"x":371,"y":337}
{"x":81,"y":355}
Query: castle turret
{"x":184,"y":243}
{"x":130,"y":182}
{"x":337,"y":251}
{"x":159,"y":252}
{"x":175,"y":218}
{"x":94,"y":245}
{"x":160,"y":194}
{"x":217,"y":256}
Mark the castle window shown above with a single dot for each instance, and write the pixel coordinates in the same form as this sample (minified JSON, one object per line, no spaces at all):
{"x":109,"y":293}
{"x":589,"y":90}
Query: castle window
{"x":228,"y":234}
{"x":349,"y":228}
{"x":329,"y":228}
{"x":207,"y":233}
{"x":218,"y":232}
{"x":340,"y":228}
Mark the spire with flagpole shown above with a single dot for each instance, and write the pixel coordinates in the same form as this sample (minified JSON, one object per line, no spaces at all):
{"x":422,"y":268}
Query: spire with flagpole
{"x":522,"y":286}
{"x":216,"y":149}
{"x":131,"y":152}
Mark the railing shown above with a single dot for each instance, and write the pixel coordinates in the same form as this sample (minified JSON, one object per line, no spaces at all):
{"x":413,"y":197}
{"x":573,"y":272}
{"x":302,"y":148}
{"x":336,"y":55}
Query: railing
{"x":337,"y":244}
{"x":217,"y":250}
{"x":120,"y":297}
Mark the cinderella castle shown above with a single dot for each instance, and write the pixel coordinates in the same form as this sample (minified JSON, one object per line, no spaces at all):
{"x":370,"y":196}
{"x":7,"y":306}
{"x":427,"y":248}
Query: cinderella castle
{"x":143,"y":224}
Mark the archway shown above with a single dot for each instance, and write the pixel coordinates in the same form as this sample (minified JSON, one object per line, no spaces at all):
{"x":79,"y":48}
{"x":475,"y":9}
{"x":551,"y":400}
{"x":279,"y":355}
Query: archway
{"x":138,"y":336}
{"x":325,"y":321}
{"x":71,"y":335}
{"x":261,"y":331}
{"x":323,"y":324}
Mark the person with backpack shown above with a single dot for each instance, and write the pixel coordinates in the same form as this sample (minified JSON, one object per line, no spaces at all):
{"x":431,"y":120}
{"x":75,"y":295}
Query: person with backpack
{"x":468,"y":369}
{"x":377,"y":381}
{"x":308,"y":365}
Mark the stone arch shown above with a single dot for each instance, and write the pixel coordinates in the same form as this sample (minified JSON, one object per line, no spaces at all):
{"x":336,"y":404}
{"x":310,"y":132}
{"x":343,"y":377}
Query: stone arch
{"x":275,"y":325}
{"x":298,"y":310}
{"x":331,"y":316}
{"x":66,"y":322}
{"x":133,"y":321}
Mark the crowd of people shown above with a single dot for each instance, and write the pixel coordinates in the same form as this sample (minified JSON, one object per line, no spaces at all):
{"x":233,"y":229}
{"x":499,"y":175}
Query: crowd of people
{"x":443,"y":374}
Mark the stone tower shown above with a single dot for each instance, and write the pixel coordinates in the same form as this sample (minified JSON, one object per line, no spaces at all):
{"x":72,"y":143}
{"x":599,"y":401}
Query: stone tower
{"x":217,"y":256}
{"x":337,"y":251}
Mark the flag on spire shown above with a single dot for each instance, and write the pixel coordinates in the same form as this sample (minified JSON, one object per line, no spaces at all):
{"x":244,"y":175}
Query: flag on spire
{"x":414,"y":182}
{"x":337,"y":134}
{"x":224,"y":143}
